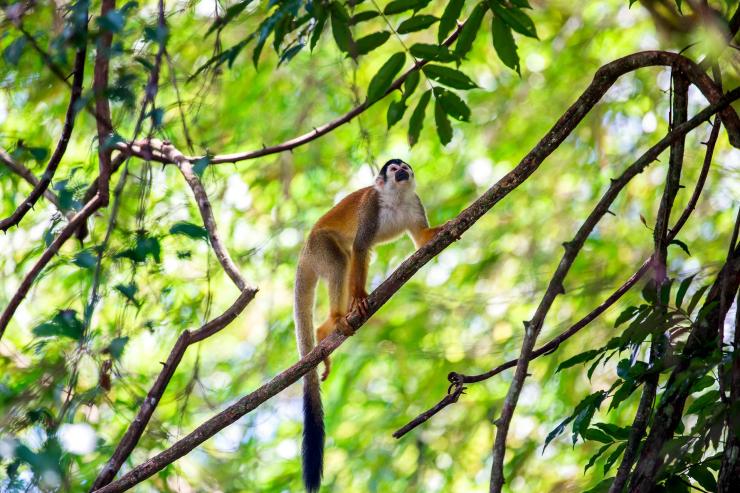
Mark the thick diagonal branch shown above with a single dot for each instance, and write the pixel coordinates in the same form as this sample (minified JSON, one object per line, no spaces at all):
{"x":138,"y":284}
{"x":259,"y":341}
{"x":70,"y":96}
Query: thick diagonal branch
{"x":459,"y":380}
{"x":452,"y":231}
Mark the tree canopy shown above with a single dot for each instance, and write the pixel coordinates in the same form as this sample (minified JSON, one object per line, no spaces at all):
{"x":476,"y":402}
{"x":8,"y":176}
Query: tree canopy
{"x":162,"y":161}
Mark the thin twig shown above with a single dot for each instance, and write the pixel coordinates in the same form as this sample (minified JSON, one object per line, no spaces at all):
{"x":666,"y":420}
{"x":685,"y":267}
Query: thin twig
{"x":26,"y":174}
{"x":206,"y":212}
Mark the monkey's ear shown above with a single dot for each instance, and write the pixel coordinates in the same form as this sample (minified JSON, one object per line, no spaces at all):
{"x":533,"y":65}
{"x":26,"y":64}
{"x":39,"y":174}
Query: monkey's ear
{"x":379,"y":181}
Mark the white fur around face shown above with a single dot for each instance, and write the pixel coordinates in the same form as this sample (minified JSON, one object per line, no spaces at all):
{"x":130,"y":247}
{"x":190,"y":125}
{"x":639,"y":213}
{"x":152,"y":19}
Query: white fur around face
{"x":399,"y":209}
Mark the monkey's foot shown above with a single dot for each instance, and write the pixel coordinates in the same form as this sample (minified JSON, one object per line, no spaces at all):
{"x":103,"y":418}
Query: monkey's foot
{"x":345,"y":329}
{"x":361,"y":305}
{"x":327,"y":369}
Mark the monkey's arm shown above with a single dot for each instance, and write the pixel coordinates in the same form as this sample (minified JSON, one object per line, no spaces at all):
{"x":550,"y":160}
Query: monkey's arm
{"x":367,"y":227}
{"x":420,"y":231}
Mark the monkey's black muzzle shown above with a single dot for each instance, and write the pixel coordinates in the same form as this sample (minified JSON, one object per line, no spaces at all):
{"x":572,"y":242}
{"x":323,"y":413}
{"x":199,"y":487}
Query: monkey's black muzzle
{"x":402,"y":175}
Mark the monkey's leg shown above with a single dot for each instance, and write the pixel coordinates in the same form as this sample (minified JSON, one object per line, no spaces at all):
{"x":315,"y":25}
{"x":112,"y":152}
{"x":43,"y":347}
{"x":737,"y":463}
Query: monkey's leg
{"x":335,"y":272}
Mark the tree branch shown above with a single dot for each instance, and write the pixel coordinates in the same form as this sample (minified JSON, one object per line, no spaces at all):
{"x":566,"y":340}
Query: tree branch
{"x":459,"y":379}
{"x":630,"y":62}
{"x":201,"y":198}
{"x":26,"y":174}
{"x":41,"y":185}
{"x":102,"y":108}
{"x":660,"y":259}
{"x":137,"y":426}
{"x":701,"y":342}
{"x":452,"y":231}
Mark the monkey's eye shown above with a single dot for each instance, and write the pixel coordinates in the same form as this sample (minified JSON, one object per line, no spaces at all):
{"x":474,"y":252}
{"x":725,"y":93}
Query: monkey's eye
{"x":393,"y":169}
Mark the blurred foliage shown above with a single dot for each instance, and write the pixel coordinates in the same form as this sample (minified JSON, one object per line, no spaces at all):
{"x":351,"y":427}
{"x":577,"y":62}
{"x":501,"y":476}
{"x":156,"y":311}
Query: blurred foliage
{"x":242,"y":75}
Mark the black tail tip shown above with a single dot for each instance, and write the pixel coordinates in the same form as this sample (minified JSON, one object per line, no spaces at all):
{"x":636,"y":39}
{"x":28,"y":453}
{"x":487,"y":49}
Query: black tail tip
{"x":313,"y":446}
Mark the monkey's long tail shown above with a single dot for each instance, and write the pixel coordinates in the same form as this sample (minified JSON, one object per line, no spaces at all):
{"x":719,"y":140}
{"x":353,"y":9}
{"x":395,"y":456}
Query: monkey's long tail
{"x":313,"y":413}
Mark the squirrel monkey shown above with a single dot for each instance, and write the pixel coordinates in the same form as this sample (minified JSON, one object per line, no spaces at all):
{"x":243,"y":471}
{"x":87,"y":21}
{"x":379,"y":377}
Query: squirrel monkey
{"x":337,"y":250}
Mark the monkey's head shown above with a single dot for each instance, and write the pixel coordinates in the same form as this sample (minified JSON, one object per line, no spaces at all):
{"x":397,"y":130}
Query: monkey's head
{"x":396,"y":175}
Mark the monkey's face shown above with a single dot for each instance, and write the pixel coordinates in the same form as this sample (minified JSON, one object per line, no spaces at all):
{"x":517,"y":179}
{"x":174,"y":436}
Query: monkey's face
{"x":396,"y":175}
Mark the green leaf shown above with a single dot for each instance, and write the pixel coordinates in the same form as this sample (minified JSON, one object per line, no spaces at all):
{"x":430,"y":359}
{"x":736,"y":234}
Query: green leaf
{"x":523,"y":4}
{"x":596,"y":456}
{"x":435,"y":53}
{"x":416,"y":23}
{"x":368,"y":43}
{"x":190,"y":230}
{"x":363,"y":16}
{"x":12,"y":53}
{"x":128,"y":291}
{"x":231,"y":12}
{"x":85,"y":259}
{"x":395,"y":112}
{"x":594,"y":365}
{"x":614,"y":456}
{"x":584,"y":412}
{"x":340,"y":29}
{"x":449,"y":77}
{"x":116,"y":346}
{"x":146,"y":246}
{"x":444,"y":128}
{"x":602,"y":487}
{"x":470,"y":30}
{"x":703,"y":402}
{"x":695,"y":299}
{"x":626,"y":315}
{"x":597,"y":435}
{"x":416,"y":122}
{"x":504,"y":44}
{"x":701,"y":384}
{"x":682,"y":288}
{"x":38,"y":153}
{"x":317,"y":29}
{"x":382,"y":81}
{"x":199,"y":166}
{"x":579,"y":358}
{"x":702,"y":475}
{"x":65,"y":324}
{"x":449,"y":19}
{"x":557,"y":431}
{"x":399,"y":6}
{"x":681,"y":244}
{"x":113,"y":21}
{"x":452,"y":104}
{"x":409,"y":85}
{"x":626,"y":388}
{"x":618,"y":432}
{"x":291,"y":52}
{"x":514,"y":18}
